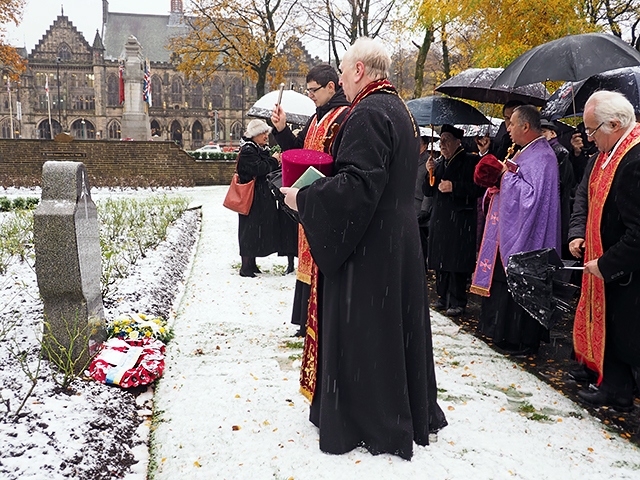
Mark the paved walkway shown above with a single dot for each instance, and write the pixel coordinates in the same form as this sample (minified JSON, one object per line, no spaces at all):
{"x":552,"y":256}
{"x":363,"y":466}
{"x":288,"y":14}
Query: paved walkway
{"x":228,"y":405}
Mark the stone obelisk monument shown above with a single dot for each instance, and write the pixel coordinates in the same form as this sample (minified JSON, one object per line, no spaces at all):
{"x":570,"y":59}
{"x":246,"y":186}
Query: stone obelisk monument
{"x":135,"y":119}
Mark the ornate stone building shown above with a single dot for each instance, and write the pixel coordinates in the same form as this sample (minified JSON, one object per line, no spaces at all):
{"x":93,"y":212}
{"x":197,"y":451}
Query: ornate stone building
{"x":83,"y":85}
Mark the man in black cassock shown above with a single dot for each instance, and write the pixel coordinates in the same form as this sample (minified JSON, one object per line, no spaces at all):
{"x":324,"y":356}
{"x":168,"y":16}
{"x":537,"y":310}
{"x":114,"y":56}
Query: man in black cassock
{"x":376,"y":384}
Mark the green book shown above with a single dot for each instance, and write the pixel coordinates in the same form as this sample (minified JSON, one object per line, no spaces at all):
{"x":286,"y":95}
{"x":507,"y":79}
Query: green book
{"x":308,"y":177}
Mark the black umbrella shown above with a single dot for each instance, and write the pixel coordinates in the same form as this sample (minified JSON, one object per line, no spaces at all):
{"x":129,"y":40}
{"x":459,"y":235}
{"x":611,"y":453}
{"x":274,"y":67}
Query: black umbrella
{"x":539,"y":283}
{"x":570,"y":58}
{"x":476,"y":84}
{"x":570,"y":98}
{"x":438,"y":110}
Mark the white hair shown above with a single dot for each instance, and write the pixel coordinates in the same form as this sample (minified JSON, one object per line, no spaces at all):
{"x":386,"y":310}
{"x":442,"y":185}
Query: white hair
{"x":256,"y":127}
{"x":610,"y":106}
{"x":372,"y":54}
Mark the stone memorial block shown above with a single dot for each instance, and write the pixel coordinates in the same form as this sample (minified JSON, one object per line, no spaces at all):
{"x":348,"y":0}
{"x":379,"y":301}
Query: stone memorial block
{"x":68,"y":268}
{"x":135,"y":118}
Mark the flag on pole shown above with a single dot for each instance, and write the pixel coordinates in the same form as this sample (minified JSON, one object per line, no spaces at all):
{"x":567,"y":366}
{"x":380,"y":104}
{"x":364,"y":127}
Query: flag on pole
{"x":46,"y":86}
{"x":121,"y":80}
{"x":146,"y":92}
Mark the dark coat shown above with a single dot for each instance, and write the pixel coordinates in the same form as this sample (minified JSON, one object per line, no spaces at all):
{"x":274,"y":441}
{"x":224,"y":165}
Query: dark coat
{"x":454,"y":215}
{"x":578,"y":220}
{"x":567,"y":186}
{"x":376,"y":382}
{"x":620,"y":263}
{"x":258,"y":232}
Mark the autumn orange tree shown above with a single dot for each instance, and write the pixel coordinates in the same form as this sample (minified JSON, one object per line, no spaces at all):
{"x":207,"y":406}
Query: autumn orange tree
{"x":504,"y":29}
{"x":10,"y":60}
{"x":237,"y":35}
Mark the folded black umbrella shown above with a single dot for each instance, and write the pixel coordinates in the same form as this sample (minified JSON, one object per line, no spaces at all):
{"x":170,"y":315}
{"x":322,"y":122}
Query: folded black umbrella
{"x":274,"y":179}
{"x":539,"y":283}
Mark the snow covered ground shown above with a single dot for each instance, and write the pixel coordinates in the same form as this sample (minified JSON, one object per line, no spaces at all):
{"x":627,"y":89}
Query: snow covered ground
{"x":228,"y":406}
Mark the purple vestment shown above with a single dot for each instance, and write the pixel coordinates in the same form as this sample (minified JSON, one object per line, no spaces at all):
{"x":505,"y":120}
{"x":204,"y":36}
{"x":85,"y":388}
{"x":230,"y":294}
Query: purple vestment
{"x":524,"y":215}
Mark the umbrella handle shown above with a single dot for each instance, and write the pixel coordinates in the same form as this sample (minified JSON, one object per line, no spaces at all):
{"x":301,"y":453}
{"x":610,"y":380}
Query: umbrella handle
{"x":432,"y":178}
{"x":280,"y":94}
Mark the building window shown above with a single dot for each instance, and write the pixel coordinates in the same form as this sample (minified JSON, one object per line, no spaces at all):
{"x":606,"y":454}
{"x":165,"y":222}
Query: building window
{"x":176,"y":91}
{"x":236,"y":131}
{"x":217,"y":93}
{"x":196,"y":96}
{"x":53,"y":99}
{"x":89,"y":79}
{"x":235,"y":94}
{"x":41,"y":80}
{"x":83,"y":102}
{"x":83,"y":129}
{"x":156,"y":91}
{"x":64,"y":52}
{"x":113,"y":91}
{"x":5,"y":128}
{"x":114,"y":131}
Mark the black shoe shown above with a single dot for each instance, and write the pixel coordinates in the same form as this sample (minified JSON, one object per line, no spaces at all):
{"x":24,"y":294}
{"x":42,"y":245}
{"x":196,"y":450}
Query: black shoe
{"x":521,"y":351}
{"x":290,"y":269}
{"x":454,"y":311}
{"x":302,"y":331}
{"x":247,"y":274}
{"x":440,"y":305}
{"x":582,"y":374}
{"x":596,"y":397}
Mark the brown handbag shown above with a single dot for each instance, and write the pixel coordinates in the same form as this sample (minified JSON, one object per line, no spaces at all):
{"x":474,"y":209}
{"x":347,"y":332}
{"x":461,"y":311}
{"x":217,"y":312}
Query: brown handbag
{"x":239,"y":197}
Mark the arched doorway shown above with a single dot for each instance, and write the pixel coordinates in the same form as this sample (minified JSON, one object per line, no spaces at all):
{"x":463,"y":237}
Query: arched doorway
{"x":156,"y":129}
{"x":83,"y":129}
{"x":197,"y":135}
{"x":176,"y":132}
{"x":44,"y":132}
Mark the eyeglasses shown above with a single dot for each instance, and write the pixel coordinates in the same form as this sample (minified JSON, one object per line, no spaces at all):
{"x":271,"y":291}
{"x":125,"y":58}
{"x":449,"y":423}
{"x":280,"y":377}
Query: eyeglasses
{"x":309,"y":91}
{"x":591,"y":134}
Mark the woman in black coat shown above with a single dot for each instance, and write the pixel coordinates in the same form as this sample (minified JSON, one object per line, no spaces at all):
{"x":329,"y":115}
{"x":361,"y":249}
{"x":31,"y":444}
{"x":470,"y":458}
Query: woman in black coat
{"x":258,"y":232}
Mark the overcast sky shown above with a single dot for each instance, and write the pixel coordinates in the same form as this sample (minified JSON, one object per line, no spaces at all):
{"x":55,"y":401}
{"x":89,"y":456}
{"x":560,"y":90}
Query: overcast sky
{"x":86,"y":15}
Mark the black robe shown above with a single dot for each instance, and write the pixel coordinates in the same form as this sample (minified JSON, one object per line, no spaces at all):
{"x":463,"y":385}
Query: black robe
{"x":376,"y":382}
{"x":258,"y":232}
{"x":620,"y":263}
{"x":454,"y":215}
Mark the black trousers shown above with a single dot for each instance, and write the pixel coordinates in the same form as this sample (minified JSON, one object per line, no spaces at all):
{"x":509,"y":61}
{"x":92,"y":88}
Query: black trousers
{"x":619,"y":378}
{"x":451,"y":287}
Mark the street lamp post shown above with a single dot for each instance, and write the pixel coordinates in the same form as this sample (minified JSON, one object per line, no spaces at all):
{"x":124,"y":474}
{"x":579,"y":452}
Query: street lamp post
{"x":58,"y":74}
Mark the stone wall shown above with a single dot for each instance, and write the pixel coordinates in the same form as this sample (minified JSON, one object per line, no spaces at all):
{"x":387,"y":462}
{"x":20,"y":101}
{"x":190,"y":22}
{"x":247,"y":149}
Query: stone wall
{"x":127,"y":164}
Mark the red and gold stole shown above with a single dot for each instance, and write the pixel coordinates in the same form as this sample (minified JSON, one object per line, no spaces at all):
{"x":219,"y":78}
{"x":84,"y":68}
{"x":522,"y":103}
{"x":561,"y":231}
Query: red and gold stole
{"x":589,"y":329}
{"x":319,"y":137}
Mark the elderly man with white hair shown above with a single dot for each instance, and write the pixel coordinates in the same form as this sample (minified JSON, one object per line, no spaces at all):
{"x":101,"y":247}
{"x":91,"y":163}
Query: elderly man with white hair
{"x":373,"y":359}
{"x":606,"y":330}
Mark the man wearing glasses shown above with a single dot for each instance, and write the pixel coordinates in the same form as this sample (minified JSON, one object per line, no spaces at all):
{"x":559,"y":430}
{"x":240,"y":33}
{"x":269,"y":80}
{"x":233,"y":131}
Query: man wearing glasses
{"x":606,"y":331}
{"x":318,"y":134}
